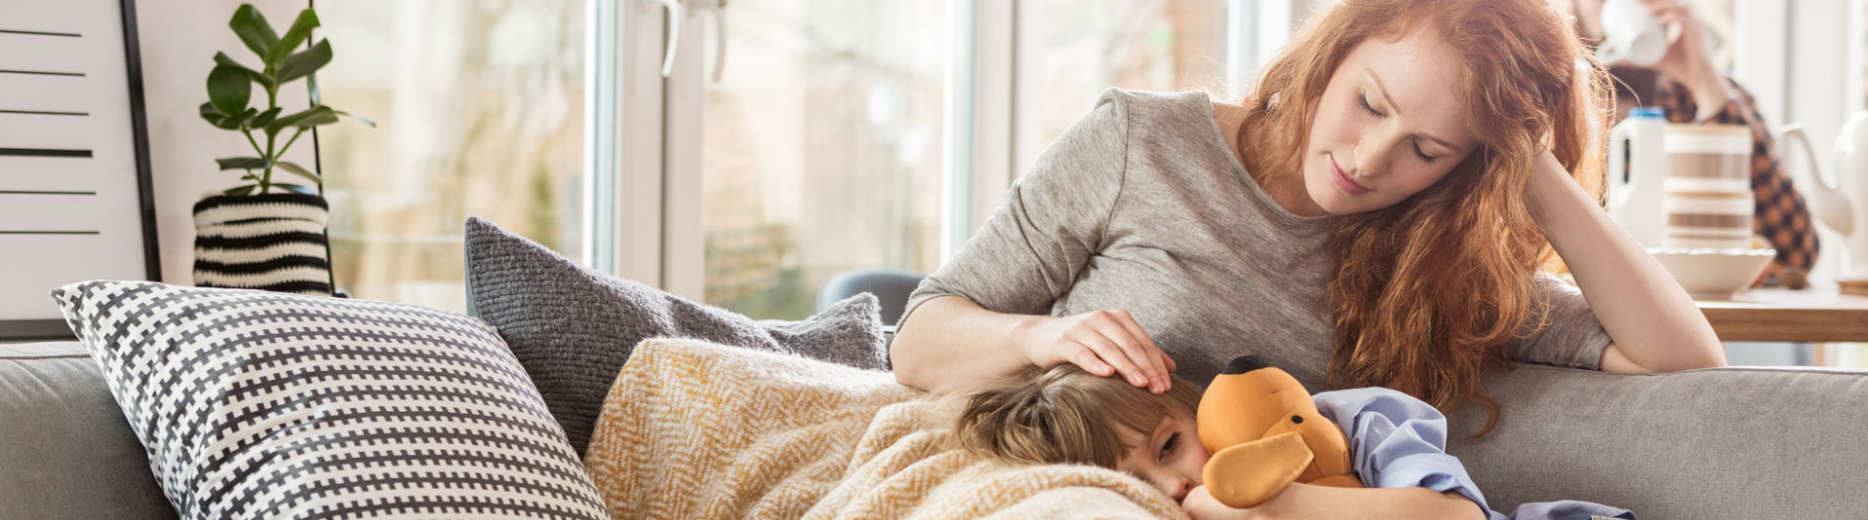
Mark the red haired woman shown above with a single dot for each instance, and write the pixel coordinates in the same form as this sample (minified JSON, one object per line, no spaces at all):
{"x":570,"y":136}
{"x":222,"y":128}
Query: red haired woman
{"x":1376,"y":213}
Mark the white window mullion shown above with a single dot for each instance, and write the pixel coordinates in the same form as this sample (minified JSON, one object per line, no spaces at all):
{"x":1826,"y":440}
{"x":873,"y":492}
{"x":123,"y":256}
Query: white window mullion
{"x":625,"y":161}
{"x":1241,"y":48}
{"x":979,"y":119}
{"x":1759,"y":62}
{"x":684,"y":232}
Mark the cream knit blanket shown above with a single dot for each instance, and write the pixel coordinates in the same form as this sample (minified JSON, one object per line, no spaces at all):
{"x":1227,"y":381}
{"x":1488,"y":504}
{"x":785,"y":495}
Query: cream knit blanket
{"x":697,"y":430}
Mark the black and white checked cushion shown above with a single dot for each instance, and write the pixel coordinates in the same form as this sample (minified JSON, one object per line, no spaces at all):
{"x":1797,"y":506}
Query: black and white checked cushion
{"x":265,"y":405}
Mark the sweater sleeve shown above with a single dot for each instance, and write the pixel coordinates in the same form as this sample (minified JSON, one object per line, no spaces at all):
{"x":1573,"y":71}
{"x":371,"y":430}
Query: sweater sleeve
{"x":1032,"y":249}
{"x":1569,"y":335}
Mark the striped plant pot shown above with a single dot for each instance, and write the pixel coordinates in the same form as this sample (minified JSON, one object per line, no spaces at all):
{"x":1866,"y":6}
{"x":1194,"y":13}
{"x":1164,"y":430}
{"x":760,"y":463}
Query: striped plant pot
{"x":274,"y":242}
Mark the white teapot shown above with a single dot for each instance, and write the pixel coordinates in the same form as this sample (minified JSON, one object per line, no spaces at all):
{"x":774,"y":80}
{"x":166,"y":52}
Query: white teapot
{"x":1840,"y":204}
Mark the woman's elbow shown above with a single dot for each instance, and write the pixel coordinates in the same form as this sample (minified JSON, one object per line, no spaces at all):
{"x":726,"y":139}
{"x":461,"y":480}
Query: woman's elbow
{"x":1708,"y":354}
{"x":909,"y":370}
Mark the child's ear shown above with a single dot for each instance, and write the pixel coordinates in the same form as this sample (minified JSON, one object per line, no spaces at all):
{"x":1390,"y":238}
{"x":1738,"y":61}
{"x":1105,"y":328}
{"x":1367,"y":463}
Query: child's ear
{"x":1248,"y":474}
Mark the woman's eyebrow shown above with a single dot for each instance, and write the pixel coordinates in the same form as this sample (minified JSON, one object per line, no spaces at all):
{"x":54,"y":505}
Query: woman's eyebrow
{"x":1383,"y":90}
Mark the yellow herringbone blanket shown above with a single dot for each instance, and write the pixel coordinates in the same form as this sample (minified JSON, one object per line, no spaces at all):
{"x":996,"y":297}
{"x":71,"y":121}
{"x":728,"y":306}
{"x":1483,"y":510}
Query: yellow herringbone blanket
{"x":697,"y":430}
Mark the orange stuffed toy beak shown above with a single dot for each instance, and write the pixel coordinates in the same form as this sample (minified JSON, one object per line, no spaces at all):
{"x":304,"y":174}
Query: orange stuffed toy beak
{"x":1265,"y":432}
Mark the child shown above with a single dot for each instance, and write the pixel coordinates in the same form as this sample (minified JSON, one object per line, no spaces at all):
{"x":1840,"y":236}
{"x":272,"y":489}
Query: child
{"x":1067,"y":415}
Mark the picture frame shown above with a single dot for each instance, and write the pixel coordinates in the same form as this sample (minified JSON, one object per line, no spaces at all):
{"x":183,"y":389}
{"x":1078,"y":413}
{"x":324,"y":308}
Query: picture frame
{"x":76,"y":201}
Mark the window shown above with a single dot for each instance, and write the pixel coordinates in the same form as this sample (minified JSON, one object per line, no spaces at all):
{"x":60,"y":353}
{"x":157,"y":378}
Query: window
{"x":1069,"y":51}
{"x":481,"y":112}
{"x":822,"y":148}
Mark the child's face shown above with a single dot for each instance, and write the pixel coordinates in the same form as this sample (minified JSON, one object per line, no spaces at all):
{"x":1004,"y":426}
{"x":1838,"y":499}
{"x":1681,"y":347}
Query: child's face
{"x":1170,"y":457}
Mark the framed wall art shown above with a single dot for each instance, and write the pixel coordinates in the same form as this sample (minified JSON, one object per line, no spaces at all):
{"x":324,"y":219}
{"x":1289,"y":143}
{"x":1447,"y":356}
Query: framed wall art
{"x":75,"y":198}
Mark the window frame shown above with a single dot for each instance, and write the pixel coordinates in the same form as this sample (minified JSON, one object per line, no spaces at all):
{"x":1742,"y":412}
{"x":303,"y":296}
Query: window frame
{"x":645,"y":131}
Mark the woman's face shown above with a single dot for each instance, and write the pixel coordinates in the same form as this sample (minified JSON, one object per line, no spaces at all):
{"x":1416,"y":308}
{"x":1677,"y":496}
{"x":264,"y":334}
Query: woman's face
{"x":1388,"y":126}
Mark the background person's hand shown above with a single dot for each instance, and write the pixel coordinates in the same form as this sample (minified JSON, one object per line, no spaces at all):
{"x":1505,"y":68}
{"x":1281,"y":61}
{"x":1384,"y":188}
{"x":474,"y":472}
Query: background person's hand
{"x":1105,"y":342}
{"x":1689,"y":46}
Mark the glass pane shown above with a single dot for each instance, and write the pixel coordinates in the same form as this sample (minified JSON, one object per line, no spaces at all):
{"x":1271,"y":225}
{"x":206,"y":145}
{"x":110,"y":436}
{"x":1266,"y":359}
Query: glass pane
{"x":822,"y":148}
{"x":480,"y":111}
{"x":1069,"y":51}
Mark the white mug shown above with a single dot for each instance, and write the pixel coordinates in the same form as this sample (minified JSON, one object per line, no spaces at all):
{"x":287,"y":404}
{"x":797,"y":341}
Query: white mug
{"x":1630,"y":34}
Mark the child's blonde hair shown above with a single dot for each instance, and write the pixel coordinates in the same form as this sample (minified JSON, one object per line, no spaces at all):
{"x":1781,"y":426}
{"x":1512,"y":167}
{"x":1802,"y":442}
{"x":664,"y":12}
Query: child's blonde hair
{"x":1065,"y":415}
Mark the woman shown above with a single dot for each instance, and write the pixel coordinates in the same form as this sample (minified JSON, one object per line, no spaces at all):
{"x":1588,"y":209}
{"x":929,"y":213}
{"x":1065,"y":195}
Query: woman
{"x":1687,"y":84}
{"x":1446,"y":150}
{"x":1375,"y":214}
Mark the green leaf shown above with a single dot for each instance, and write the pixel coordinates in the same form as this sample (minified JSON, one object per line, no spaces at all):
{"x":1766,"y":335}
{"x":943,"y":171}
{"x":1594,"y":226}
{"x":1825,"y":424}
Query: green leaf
{"x":224,"y":60}
{"x":354,"y":116}
{"x":294,"y":168}
{"x":264,"y":118}
{"x":229,"y":89}
{"x":295,"y":36}
{"x":295,"y":187}
{"x":253,"y":30}
{"x":303,"y":63}
{"x":243,"y":190}
{"x":318,"y":115}
{"x":213,"y":115}
{"x":241,"y":163}
{"x":233,"y":122}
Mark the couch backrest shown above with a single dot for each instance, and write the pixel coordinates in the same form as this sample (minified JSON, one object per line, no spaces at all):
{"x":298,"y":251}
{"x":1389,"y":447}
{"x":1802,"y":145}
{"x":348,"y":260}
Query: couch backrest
{"x":1715,"y":443}
{"x":1719,"y":443}
{"x":65,"y":449}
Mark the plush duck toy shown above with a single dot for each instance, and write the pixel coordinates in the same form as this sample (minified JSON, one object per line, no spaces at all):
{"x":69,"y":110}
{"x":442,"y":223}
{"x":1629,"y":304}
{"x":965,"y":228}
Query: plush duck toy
{"x":1265,"y":432}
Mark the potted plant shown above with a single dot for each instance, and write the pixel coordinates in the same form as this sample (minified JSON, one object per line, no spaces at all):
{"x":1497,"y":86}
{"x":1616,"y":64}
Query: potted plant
{"x":266,"y":233}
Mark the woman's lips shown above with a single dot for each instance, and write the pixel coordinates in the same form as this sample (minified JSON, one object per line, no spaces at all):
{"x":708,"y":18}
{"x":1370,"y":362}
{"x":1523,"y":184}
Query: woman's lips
{"x":1343,"y":181}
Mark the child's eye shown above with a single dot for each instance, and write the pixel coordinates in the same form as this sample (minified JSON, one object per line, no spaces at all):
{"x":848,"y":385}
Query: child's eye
{"x":1168,"y":447}
{"x":1364,"y":99}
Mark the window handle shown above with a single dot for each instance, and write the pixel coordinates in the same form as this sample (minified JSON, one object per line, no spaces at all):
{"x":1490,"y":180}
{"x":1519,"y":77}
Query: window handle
{"x":678,"y":11}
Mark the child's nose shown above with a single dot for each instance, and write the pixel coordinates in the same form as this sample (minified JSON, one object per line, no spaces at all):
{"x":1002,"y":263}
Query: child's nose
{"x":1181,"y":486}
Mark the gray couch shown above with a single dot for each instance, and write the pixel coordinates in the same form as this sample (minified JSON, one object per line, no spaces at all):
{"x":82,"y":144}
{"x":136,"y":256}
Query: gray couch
{"x":1722,"y":443}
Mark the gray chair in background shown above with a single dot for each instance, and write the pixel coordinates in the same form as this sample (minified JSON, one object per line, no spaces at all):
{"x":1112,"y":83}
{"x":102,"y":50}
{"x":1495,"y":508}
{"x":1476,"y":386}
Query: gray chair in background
{"x":890,"y":287}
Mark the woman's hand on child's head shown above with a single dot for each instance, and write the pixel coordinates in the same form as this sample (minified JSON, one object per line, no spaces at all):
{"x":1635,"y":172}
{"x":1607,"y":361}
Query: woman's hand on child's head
{"x":1201,"y":505}
{"x":1104,"y":342}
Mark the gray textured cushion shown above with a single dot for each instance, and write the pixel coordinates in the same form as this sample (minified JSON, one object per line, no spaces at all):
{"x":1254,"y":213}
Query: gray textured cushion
{"x":65,"y":449}
{"x":573,"y":328}
{"x":1717,"y":443}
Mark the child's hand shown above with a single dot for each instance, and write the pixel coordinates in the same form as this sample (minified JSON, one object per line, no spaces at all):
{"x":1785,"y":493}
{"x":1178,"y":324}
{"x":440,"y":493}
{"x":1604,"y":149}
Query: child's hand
{"x":1202,"y":506}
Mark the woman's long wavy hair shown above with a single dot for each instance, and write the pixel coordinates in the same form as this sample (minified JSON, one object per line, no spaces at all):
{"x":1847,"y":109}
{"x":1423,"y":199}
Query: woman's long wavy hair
{"x":1427,"y":291}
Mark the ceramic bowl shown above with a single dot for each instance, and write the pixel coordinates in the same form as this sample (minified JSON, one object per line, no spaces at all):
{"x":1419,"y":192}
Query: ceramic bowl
{"x":1714,"y":274}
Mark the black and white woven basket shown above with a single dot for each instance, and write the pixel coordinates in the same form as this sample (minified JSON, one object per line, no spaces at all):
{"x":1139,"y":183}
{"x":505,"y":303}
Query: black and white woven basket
{"x":274,"y":242}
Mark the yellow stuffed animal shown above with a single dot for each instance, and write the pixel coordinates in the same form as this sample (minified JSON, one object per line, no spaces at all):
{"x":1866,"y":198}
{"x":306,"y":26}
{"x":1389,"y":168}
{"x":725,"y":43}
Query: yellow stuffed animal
{"x":1265,"y":432}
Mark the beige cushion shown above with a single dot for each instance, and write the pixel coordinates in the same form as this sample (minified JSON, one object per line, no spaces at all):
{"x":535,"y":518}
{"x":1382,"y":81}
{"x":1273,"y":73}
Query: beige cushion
{"x":1716,"y":443}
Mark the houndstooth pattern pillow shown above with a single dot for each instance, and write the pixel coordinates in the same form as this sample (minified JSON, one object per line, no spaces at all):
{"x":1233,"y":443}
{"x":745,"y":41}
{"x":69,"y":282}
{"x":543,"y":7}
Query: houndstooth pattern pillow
{"x":265,"y":405}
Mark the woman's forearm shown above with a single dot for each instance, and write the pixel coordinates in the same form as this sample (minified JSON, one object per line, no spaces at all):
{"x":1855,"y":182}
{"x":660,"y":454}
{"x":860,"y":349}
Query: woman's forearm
{"x":1324,"y":502}
{"x":950,"y":341}
{"x":1652,"y":320}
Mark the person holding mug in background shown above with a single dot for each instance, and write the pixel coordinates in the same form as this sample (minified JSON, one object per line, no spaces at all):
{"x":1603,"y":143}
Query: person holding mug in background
{"x":1687,"y":84}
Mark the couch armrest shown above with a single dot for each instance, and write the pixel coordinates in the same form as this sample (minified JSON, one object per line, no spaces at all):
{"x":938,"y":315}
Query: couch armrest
{"x":65,"y":449}
{"x":1713,"y":443}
